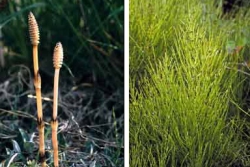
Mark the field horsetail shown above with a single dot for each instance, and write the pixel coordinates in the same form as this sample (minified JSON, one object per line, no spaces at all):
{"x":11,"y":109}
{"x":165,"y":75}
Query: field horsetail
{"x":34,"y":38}
{"x":57,"y":61}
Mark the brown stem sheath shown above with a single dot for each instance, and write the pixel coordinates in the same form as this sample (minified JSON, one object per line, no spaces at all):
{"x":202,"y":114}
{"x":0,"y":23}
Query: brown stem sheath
{"x":41,"y":144}
{"x":54,"y":126}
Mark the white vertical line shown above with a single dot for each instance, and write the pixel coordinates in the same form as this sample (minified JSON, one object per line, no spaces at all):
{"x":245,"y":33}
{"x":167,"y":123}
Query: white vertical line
{"x":126,"y":83}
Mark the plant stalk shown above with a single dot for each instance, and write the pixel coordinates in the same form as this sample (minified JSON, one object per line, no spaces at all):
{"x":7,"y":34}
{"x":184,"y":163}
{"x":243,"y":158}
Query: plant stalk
{"x":37,"y":83}
{"x":54,"y":122}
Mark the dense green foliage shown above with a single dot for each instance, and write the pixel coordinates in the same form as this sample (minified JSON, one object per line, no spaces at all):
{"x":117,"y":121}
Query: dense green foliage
{"x":186,"y":84}
{"x":91,"y":80}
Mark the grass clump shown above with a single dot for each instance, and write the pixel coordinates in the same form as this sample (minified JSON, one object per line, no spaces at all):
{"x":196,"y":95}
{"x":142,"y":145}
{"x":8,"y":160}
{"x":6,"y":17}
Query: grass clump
{"x":180,"y":107}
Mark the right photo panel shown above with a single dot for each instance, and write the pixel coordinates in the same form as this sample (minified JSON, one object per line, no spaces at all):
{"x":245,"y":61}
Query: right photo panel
{"x":189,"y":87}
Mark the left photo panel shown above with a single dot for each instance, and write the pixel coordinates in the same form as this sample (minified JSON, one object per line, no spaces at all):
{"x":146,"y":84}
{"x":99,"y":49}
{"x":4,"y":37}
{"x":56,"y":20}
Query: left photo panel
{"x":61,"y":83}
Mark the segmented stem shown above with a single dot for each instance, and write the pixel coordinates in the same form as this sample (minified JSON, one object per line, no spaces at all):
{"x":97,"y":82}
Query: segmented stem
{"x":57,"y":61}
{"x":34,"y":38}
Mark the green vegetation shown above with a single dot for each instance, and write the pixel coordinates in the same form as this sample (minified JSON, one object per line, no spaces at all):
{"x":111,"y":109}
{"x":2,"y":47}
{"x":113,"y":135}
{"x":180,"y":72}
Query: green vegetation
{"x":91,"y":84}
{"x":188,"y":79}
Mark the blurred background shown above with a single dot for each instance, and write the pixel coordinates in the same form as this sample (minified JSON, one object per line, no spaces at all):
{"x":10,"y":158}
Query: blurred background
{"x":91,"y":114}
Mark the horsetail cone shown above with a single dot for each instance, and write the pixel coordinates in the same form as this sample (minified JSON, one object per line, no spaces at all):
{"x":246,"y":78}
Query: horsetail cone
{"x":33,"y":29}
{"x":58,"y":56}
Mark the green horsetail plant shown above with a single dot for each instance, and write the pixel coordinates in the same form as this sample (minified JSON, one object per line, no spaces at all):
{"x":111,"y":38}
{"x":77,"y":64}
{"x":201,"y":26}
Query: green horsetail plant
{"x":57,"y":61}
{"x":181,"y":111}
{"x":34,"y":38}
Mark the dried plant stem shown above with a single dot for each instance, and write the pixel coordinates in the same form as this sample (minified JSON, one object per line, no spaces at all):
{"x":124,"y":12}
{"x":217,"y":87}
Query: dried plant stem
{"x":37,"y":83}
{"x":54,"y":122}
{"x":57,"y":62}
{"x":34,"y":39}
